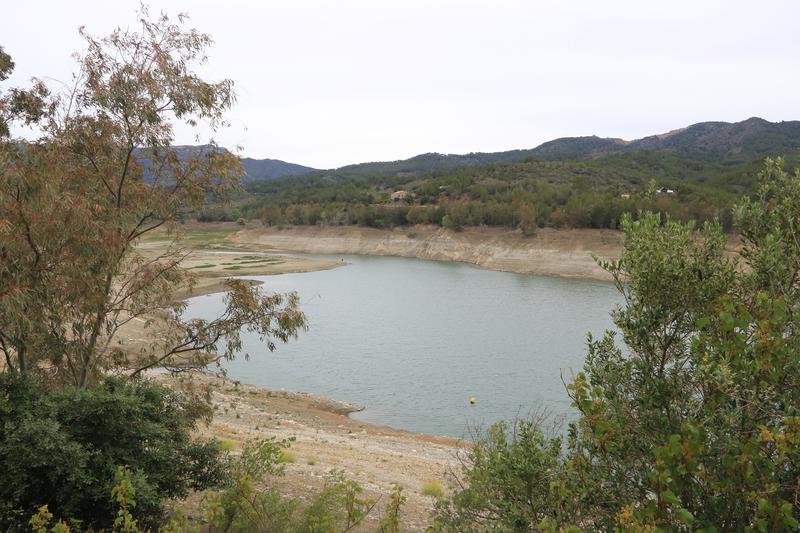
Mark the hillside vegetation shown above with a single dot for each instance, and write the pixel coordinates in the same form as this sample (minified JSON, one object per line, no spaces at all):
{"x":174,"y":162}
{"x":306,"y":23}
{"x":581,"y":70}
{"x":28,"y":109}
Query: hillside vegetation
{"x":692,"y":174}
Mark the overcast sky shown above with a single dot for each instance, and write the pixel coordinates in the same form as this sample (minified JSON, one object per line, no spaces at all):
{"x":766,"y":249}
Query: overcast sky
{"x":328,"y":83}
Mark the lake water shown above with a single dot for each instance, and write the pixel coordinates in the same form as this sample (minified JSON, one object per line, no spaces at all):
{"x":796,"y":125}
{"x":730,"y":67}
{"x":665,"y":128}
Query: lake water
{"x":414,"y":340}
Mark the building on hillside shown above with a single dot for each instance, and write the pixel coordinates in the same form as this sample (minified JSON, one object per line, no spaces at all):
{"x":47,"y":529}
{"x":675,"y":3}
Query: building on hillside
{"x":399,"y":196}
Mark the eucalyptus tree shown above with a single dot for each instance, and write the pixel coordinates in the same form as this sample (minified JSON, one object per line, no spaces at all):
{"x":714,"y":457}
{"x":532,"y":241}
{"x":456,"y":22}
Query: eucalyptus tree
{"x":102,"y":175}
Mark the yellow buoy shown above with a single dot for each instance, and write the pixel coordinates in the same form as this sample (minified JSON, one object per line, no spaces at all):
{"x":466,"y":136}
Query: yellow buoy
{"x":472,"y":400}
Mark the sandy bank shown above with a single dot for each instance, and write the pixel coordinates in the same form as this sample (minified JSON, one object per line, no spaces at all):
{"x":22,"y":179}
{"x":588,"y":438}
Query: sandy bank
{"x":326,"y":439}
{"x":567,"y":253}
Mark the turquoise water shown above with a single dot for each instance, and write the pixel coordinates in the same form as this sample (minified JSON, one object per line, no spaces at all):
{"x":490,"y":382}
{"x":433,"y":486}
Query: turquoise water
{"x":414,"y":340}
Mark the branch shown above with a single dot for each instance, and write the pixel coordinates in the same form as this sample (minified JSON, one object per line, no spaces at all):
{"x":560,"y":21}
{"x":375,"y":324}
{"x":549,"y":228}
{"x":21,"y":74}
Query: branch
{"x":185,"y":346}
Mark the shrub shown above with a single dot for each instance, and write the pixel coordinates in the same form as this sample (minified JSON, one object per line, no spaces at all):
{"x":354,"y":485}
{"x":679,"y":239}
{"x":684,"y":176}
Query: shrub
{"x":227,"y":445}
{"x":432,"y":488}
{"x":287,"y":457}
{"x":62,"y":448}
{"x":390,"y":523}
{"x":243,"y":507}
{"x":506,"y":481}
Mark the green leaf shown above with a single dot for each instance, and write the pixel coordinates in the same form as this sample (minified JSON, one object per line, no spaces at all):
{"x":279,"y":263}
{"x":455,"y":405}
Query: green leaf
{"x":685,"y":516}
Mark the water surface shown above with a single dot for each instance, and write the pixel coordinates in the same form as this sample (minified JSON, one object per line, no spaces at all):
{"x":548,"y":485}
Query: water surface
{"x":414,"y":340}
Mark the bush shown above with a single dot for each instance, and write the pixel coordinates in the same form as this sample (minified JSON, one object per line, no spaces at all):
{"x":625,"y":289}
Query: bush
{"x":432,"y":488}
{"x":62,"y":448}
{"x":506,"y":480}
{"x":287,"y":457}
{"x":693,"y":425}
{"x":243,"y":507}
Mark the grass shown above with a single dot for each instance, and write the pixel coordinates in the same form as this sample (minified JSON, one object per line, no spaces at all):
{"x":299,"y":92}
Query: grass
{"x":261,"y":260}
{"x":311,"y":461}
{"x":204,"y":266}
{"x":250,"y":263}
{"x":227,"y":445}
{"x":287,"y":457}
{"x":432,"y":488}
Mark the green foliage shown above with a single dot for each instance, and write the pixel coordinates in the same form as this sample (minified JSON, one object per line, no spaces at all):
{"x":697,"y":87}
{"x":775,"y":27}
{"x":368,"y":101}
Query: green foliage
{"x":390,"y":523}
{"x":508,"y":482}
{"x":251,"y":504}
{"x":694,"y":424}
{"x":338,"y":507}
{"x":123,"y":494}
{"x":244,"y":507}
{"x":40,"y":522}
{"x":260,"y":458}
{"x":593,"y":193}
{"x":432,"y":488}
{"x":62,"y":448}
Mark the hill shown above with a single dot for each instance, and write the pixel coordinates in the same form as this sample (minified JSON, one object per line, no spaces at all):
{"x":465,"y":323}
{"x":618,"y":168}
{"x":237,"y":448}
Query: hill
{"x":254,"y":169}
{"x":706,"y":141}
{"x":267,"y":169}
{"x":695,"y":173}
{"x":714,"y":142}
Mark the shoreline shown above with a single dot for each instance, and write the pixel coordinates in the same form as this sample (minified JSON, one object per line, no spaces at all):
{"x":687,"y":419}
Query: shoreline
{"x":323,"y":434}
{"x":562,"y":253}
{"x":212,"y":281}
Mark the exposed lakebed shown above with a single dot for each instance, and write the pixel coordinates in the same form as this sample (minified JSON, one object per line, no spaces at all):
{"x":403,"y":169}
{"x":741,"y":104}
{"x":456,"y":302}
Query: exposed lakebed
{"x":414,"y":340}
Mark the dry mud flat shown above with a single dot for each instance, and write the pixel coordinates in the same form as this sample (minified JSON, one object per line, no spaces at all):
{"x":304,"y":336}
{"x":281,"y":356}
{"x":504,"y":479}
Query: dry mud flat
{"x":566,"y":253}
{"x":326,"y":439}
{"x":213,"y":263}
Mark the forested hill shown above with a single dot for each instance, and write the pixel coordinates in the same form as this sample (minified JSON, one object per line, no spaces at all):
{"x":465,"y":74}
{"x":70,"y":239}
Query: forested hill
{"x":707,"y":141}
{"x":696,"y":173}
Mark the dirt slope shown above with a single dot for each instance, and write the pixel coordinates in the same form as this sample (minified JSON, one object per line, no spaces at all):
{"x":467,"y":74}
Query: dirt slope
{"x":567,"y":253}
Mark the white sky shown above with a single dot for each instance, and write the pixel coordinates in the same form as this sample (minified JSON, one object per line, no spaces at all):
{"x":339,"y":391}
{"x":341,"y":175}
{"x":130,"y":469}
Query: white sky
{"x":328,"y":83}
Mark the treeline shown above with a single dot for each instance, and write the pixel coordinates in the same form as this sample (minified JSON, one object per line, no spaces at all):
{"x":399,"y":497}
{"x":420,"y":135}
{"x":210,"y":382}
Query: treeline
{"x":559,"y":194}
{"x":588,"y":210}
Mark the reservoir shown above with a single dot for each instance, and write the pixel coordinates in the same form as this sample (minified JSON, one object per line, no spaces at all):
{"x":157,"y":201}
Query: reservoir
{"x":413,"y":341}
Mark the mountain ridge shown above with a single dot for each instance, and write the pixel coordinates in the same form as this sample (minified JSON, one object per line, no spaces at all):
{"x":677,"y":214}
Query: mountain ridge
{"x":711,"y":141}
{"x":704,"y":141}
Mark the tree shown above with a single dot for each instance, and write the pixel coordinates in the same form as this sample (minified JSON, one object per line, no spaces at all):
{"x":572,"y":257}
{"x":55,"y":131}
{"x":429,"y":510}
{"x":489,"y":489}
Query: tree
{"x":695,"y":423}
{"x":23,"y":105}
{"x":74,"y":204}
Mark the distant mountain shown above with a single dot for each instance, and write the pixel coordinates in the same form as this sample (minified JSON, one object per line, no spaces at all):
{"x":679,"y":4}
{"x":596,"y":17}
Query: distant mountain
{"x":431,"y":162}
{"x":707,"y":141}
{"x":578,"y":148}
{"x":254,"y":169}
{"x":710,"y":142}
{"x":267,"y":169}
